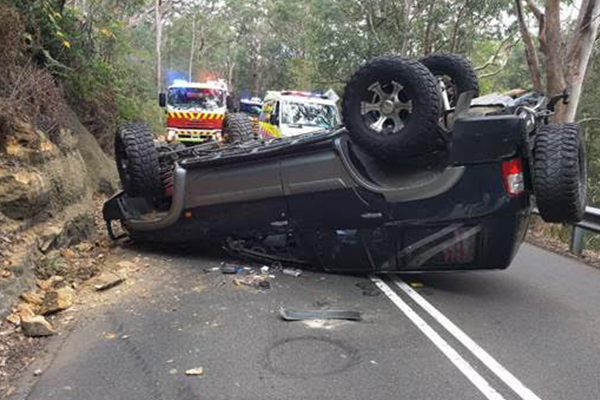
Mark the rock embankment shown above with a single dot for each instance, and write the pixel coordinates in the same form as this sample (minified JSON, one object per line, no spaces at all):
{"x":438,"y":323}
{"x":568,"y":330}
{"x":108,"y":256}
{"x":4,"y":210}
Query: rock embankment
{"x":47,"y":190}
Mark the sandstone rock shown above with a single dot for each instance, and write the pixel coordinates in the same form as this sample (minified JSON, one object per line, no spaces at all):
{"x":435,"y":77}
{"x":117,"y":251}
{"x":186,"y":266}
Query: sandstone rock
{"x":126,"y":264}
{"x":20,"y":312}
{"x":24,"y":310}
{"x":23,"y":194}
{"x":48,"y":237}
{"x":57,"y":300}
{"x":14,"y":319}
{"x":29,"y":144}
{"x":70,"y":231}
{"x":51,"y":283}
{"x":51,"y":264}
{"x":32,"y":298}
{"x":107,"y":280}
{"x":36,"y":326}
{"x":68,"y":253}
{"x":84,"y":247}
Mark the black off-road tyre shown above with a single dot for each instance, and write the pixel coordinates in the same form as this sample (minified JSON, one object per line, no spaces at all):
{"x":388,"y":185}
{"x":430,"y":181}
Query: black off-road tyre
{"x":237,"y":127}
{"x":560,"y":173}
{"x":458,"y":69}
{"x":419,"y":134}
{"x":137,"y":161}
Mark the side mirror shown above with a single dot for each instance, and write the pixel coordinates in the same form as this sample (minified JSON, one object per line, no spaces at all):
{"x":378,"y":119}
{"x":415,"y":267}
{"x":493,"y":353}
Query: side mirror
{"x":274,"y":119}
{"x":162,"y":100}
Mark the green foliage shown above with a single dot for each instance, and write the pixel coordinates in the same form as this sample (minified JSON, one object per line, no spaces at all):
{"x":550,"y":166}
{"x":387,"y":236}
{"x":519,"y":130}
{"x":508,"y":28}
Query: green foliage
{"x":589,"y":117}
{"x":106,"y":79}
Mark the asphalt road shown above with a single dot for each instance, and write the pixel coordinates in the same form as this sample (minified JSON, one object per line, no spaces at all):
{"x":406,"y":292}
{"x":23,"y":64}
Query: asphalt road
{"x":530,"y":332}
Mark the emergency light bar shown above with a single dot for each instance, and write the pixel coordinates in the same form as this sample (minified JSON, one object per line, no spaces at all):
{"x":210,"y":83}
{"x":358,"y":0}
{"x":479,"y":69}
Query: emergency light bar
{"x":329,"y":95}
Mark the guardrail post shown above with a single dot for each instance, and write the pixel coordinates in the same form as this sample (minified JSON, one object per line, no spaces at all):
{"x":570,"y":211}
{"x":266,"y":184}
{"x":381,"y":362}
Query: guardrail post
{"x":577,"y":241}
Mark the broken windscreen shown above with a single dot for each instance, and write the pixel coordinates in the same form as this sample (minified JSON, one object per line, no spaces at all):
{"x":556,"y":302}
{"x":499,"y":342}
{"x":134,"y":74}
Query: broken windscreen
{"x":205,"y":99}
{"x":309,"y":114}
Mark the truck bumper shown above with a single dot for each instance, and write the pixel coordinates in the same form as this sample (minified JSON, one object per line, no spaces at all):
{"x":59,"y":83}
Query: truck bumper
{"x":193,"y":135}
{"x":136,"y":213}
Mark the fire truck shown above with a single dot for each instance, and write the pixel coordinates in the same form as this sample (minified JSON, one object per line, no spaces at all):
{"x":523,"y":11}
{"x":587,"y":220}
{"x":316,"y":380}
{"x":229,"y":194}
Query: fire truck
{"x":198,"y":112}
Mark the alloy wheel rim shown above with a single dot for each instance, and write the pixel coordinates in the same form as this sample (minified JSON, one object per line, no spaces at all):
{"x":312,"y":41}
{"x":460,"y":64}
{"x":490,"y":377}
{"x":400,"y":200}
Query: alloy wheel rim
{"x":388,"y":109}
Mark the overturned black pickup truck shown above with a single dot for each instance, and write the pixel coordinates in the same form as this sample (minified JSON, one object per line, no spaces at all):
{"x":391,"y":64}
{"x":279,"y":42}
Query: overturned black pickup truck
{"x":423,"y":176}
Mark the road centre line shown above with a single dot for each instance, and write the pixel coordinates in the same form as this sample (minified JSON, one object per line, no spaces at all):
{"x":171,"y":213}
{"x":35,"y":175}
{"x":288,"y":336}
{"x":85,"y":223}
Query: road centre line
{"x":490,"y":362}
{"x":463,"y":366}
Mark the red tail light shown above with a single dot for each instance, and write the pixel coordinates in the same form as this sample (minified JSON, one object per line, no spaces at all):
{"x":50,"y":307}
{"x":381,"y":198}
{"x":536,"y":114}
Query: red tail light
{"x":512,"y":177}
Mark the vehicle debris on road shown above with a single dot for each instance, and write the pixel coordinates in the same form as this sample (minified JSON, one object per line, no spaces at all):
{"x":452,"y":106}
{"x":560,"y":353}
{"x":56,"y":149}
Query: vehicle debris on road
{"x":289,"y":315}
{"x":292,"y":271}
{"x":195,"y":371}
{"x":255,"y":281}
{"x":368,"y":289}
{"x":228,"y":269}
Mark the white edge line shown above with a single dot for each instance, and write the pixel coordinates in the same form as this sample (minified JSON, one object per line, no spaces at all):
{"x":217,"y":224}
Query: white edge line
{"x":509,"y":379}
{"x":456,"y":359}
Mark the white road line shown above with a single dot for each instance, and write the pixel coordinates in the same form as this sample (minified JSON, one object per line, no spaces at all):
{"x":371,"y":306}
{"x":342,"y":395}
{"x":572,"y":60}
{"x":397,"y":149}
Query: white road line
{"x":460,"y":363}
{"x":489,"y":361}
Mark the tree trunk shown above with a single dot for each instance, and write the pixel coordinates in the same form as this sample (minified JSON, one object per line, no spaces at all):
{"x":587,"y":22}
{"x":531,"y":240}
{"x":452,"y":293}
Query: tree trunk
{"x":456,"y":27}
{"x":258,"y":74}
{"x":158,"y":21}
{"x":231,"y":69}
{"x":192,"y":49}
{"x":530,"y":51}
{"x":566,"y":64}
{"x":428,"y":41}
{"x":406,"y":29}
{"x":554,"y":46}
{"x":578,"y":57}
{"x":258,"y":68}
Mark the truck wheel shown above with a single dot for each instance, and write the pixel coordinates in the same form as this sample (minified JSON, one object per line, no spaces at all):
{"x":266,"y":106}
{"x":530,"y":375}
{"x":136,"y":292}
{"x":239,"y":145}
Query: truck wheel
{"x":391,"y":107}
{"x":137,"y":161}
{"x":237,"y":127}
{"x":560,"y":173}
{"x":456,"y":72}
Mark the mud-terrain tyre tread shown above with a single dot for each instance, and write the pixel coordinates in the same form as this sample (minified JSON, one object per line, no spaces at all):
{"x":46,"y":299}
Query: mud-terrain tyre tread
{"x":419,"y":135}
{"x":237,"y":127}
{"x":560,"y":173}
{"x":456,"y":67}
{"x":136,"y":141}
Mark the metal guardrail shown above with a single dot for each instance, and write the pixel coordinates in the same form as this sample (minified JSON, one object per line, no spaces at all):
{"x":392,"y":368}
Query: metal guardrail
{"x":590,"y":222}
